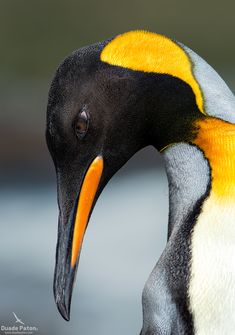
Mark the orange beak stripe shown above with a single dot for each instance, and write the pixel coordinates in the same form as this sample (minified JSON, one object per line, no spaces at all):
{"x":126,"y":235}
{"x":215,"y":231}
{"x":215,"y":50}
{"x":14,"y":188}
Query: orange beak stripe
{"x":85,"y":201}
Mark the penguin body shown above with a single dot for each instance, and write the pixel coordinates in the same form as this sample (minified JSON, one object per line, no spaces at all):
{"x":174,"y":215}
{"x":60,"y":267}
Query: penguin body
{"x":106,"y":102}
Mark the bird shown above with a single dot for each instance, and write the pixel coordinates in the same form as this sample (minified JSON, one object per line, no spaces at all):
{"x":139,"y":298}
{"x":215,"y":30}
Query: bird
{"x":111,"y":99}
{"x":17,"y":319}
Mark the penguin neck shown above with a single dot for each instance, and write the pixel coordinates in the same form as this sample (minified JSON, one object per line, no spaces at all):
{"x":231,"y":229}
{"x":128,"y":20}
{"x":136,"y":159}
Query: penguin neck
{"x":208,"y":169}
{"x":203,"y":169}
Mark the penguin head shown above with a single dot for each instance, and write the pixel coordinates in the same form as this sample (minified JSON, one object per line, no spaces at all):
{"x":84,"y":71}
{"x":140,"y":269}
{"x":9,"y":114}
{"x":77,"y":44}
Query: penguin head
{"x":101,"y":111}
{"x":93,"y":127}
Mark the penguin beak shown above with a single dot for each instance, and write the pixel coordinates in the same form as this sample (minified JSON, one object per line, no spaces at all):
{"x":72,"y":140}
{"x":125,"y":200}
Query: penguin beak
{"x":70,"y":236}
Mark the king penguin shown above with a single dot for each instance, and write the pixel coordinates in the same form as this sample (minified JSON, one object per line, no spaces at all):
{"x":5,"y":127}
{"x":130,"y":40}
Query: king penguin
{"x":111,"y":99}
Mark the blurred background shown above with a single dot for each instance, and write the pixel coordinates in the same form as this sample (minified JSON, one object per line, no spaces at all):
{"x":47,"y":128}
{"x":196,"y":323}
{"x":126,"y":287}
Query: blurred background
{"x":127,"y":232}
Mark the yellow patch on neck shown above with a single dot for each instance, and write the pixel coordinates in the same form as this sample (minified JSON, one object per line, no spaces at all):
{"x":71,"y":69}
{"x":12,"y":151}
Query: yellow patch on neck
{"x":216,"y":138}
{"x":150,"y":52}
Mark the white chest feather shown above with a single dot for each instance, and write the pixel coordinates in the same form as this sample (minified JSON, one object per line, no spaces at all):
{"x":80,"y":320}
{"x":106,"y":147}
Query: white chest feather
{"x":212,"y":284}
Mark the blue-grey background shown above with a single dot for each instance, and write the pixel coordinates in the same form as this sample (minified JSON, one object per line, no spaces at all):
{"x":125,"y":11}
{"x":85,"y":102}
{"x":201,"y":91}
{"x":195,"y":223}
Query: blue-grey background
{"x":127,"y":231}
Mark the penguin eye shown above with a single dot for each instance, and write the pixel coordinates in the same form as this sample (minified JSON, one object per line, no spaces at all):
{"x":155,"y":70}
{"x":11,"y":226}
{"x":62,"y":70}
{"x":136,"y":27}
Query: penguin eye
{"x":81,"y":124}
